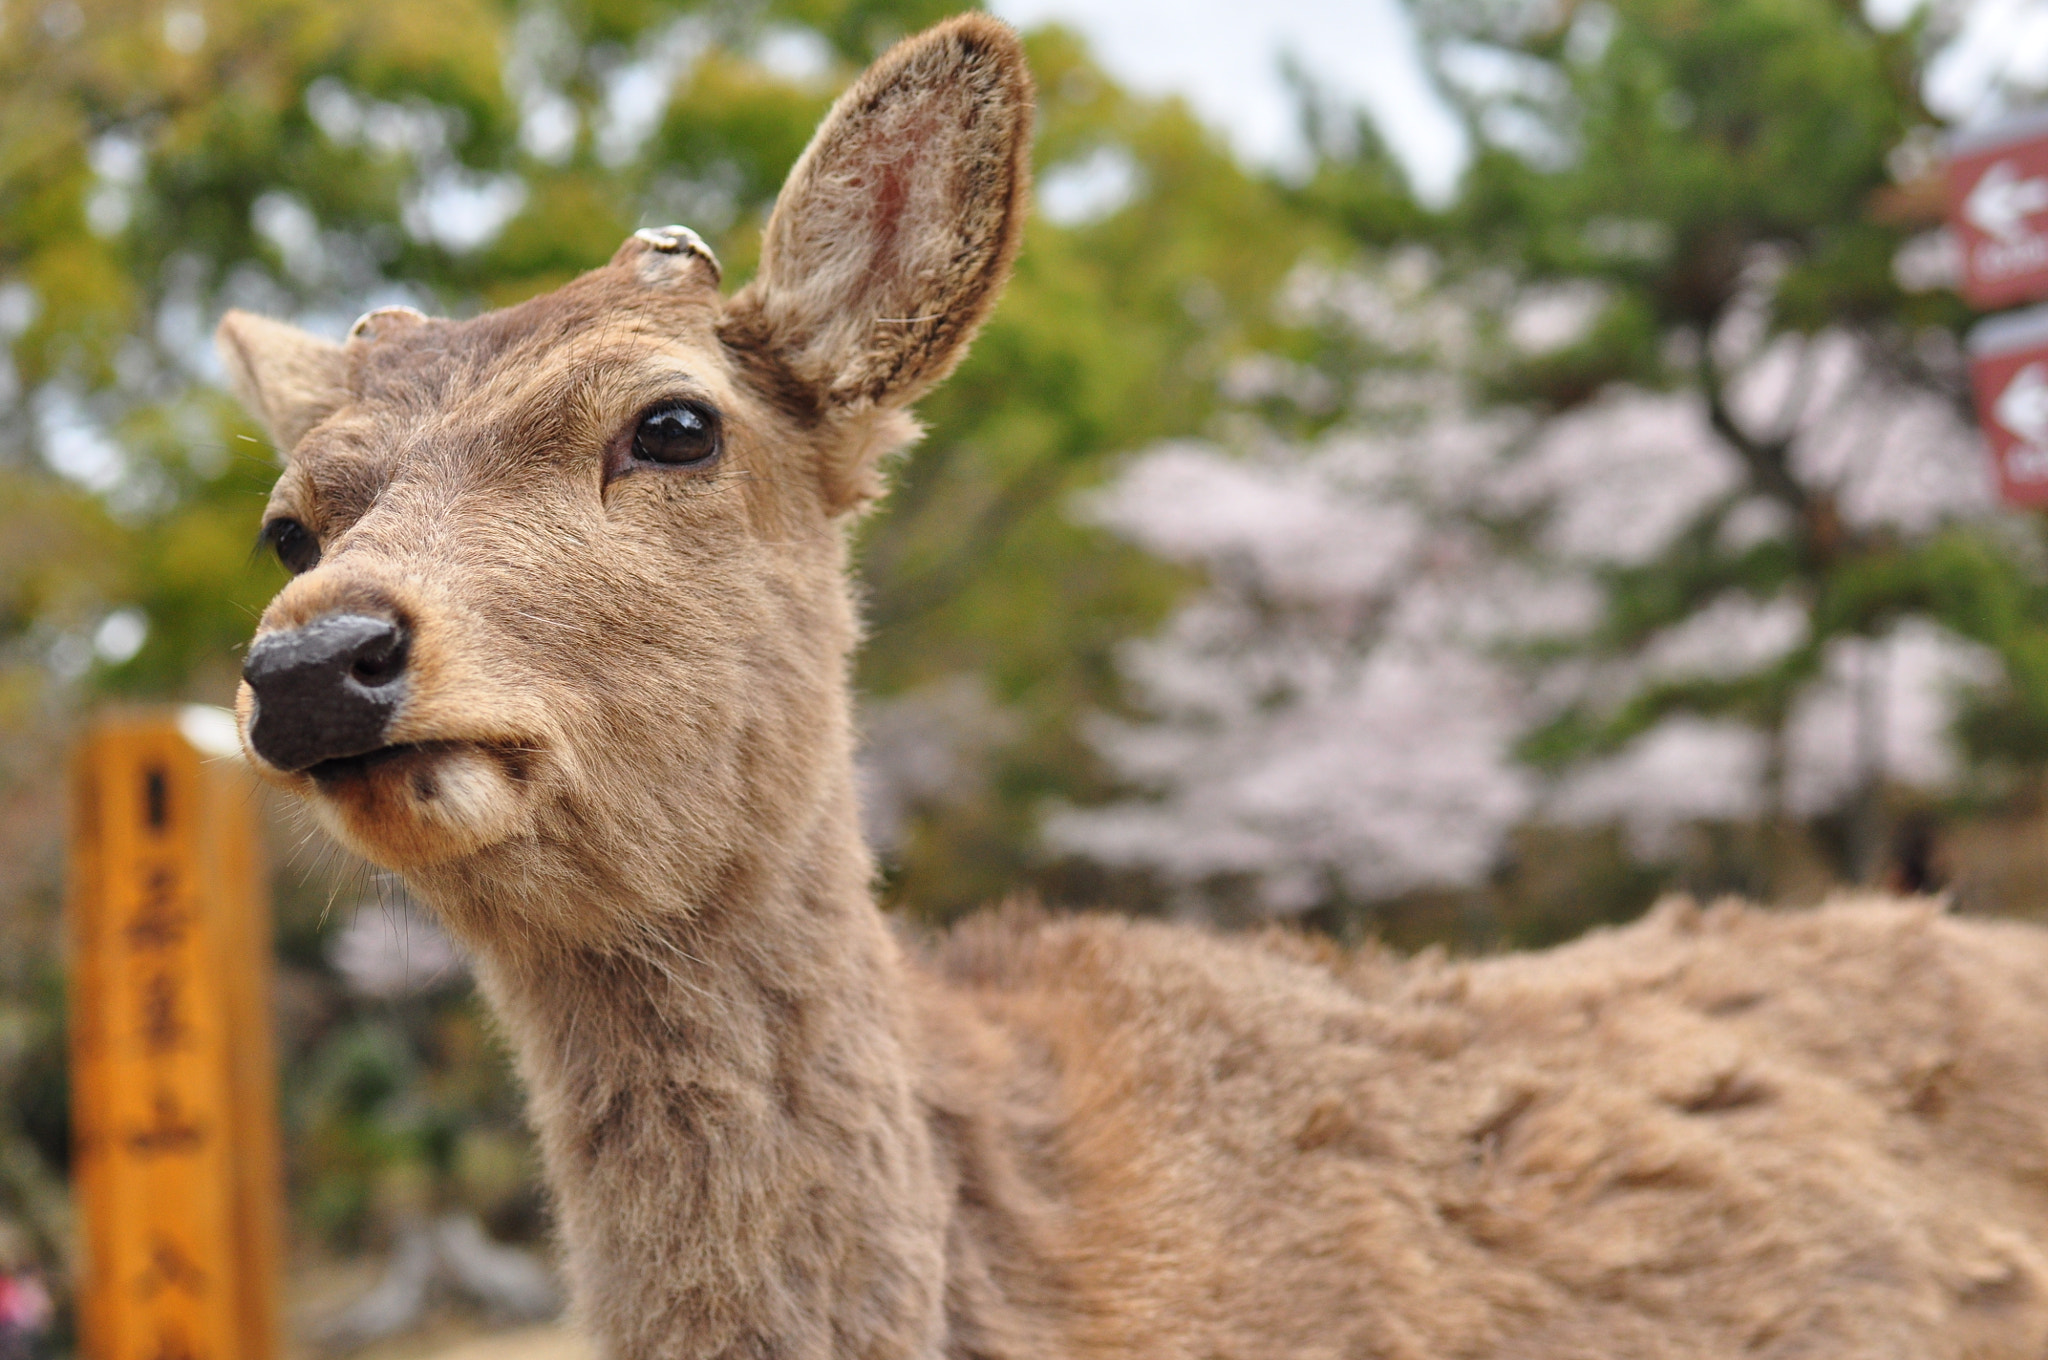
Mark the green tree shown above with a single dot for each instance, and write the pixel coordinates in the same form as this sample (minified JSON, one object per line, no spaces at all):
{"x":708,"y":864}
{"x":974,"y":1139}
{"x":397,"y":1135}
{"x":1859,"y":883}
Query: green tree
{"x":1718,"y":185}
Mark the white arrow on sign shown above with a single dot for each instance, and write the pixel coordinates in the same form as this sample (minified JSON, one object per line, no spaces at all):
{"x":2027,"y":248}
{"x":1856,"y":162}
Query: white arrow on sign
{"x":2023,"y":406}
{"x":2001,"y":202}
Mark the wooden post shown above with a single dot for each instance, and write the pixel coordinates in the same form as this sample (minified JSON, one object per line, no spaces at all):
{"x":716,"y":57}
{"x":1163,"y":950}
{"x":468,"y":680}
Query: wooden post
{"x":173,"y":1089}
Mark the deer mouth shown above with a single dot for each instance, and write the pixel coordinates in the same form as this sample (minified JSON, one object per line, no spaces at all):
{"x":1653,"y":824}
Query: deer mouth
{"x":341,"y":768}
{"x":413,"y":804}
{"x":415,"y":761}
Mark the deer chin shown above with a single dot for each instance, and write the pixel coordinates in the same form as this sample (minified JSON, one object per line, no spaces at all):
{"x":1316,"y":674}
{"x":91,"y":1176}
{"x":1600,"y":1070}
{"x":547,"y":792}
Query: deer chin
{"x":421,"y":803}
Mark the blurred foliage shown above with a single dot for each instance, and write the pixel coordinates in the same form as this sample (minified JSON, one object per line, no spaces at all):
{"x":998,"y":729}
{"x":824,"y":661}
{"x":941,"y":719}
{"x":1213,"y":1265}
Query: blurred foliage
{"x":1717,"y":176}
{"x":1720,"y":188}
{"x":310,"y":160}
{"x":161,"y":160}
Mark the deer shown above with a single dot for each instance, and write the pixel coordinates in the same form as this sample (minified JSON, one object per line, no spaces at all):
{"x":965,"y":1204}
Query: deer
{"x":567,"y":645}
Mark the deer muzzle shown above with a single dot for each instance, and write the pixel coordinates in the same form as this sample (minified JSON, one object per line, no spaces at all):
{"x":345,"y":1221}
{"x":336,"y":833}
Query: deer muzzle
{"x":325,"y":690}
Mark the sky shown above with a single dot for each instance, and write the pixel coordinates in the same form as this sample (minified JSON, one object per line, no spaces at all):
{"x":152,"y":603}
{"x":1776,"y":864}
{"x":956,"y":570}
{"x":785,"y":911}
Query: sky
{"x":1224,"y":56}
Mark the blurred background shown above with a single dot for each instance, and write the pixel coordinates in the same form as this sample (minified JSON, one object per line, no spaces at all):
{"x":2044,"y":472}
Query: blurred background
{"x":1447,"y":471}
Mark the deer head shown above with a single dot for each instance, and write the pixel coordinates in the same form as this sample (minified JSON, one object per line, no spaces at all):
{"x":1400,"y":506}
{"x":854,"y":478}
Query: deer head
{"x":569,"y":626}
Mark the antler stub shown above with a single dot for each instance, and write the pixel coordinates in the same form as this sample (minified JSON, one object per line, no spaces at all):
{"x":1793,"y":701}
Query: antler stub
{"x":680,"y":240}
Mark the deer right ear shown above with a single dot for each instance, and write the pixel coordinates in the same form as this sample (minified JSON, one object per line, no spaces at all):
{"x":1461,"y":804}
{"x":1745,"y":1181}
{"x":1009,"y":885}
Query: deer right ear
{"x":289,"y":380}
{"x":896,"y":229}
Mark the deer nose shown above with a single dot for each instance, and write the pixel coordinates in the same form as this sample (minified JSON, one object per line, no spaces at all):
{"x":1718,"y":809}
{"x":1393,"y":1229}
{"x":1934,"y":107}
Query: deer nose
{"x":325,"y":690}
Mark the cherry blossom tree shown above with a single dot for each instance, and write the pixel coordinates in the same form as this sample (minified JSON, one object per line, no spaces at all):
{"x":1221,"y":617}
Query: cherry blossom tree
{"x":1647,"y":496}
{"x":1429,"y":618}
{"x":1328,"y":716}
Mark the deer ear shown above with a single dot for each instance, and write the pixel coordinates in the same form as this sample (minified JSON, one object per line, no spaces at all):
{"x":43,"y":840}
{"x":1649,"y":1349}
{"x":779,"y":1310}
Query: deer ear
{"x":896,"y":228}
{"x":289,"y":380}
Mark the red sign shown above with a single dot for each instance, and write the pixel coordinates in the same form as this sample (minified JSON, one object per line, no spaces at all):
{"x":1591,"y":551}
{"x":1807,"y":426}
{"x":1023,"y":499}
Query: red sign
{"x":2009,"y":369}
{"x":1998,"y":210}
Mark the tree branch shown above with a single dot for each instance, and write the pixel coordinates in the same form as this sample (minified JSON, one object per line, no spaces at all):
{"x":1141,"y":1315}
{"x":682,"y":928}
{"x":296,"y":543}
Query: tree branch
{"x":1768,"y":461}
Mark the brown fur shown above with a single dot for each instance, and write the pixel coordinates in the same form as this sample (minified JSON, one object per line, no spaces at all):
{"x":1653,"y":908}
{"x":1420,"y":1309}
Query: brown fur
{"x":623,"y":774}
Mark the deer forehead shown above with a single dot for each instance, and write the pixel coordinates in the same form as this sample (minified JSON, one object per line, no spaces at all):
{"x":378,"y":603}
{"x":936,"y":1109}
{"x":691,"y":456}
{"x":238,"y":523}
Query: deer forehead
{"x":536,"y":388}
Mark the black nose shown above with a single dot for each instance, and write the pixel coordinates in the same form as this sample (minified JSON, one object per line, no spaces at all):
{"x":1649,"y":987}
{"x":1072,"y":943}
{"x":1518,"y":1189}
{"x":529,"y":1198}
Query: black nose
{"x":326,"y":690}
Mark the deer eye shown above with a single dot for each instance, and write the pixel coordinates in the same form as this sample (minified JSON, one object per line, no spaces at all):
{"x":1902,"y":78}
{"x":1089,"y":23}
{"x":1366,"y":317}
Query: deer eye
{"x":293,"y":543}
{"x":681,"y":434}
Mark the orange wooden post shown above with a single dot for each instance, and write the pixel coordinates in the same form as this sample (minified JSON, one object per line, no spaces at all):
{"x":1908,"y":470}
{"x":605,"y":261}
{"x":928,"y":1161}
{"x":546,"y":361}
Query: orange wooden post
{"x":173,"y":1090}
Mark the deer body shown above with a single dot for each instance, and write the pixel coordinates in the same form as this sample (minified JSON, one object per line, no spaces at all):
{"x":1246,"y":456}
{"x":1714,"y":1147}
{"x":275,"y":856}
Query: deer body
{"x":568,"y":647}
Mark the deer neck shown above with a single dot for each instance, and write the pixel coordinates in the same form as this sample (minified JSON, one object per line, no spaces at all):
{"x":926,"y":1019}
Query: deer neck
{"x":729,"y":1115}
